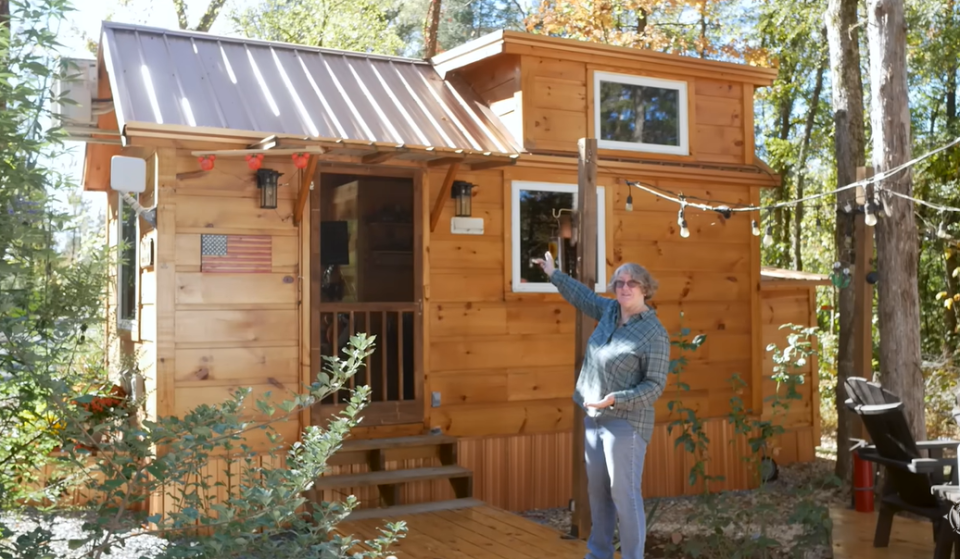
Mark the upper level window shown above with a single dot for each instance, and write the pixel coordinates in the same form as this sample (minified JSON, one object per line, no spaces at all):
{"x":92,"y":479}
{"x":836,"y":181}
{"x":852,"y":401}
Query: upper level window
{"x":540,"y":224}
{"x":640,"y":114}
{"x":128,"y":265}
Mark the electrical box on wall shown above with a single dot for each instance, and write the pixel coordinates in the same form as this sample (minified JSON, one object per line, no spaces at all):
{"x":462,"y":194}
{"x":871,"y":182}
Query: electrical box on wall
{"x":466,"y":225}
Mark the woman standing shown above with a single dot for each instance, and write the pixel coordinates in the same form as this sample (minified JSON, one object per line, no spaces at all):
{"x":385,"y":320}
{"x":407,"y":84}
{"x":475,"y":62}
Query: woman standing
{"x":624,"y":371}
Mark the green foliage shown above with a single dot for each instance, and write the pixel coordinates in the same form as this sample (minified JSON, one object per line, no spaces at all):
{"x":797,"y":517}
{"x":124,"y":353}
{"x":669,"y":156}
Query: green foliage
{"x":714,"y":515}
{"x":358,"y":25}
{"x":692,"y":435}
{"x":50,"y":301}
{"x":257,"y":510}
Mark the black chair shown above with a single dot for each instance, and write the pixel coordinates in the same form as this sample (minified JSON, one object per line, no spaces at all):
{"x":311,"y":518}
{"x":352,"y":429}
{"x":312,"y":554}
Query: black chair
{"x":909,"y":478}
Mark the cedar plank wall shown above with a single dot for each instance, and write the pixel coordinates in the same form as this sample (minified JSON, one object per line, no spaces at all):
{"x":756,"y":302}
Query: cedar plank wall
{"x":225,"y":331}
{"x":503,"y":362}
{"x":235,"y":329}
{"x":546,"y":102}
{"x":784,"y":303}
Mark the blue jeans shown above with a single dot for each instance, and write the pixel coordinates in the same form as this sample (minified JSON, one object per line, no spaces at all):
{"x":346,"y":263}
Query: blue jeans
{"x":614,"y":454}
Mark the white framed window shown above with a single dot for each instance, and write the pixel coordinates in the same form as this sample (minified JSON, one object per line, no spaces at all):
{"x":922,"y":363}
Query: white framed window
{"x":127,"y":265}
{"x":637,"y":113}
{"x":538,"y":224}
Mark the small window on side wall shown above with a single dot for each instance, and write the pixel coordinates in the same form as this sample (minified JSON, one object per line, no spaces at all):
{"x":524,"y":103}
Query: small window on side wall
{"x":640,"y":114}
{"x":539,"y":224}
{"x":127,"y":265}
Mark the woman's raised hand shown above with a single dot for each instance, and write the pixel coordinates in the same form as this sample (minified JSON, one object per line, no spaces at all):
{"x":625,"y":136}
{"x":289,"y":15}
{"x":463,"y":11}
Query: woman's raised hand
{"x":547,"y":264}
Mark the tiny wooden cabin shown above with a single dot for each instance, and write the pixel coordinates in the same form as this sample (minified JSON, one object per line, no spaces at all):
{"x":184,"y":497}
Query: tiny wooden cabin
{"x":426,"y":187}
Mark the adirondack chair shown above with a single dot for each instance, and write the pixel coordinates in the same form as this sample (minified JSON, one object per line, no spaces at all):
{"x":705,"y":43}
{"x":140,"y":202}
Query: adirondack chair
{"x":908,"y":477}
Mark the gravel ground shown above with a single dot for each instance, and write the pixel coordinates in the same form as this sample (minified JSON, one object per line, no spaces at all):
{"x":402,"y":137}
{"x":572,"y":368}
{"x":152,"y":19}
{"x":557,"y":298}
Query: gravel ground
{"x":672,"y":517}
{"x":67,"y":526}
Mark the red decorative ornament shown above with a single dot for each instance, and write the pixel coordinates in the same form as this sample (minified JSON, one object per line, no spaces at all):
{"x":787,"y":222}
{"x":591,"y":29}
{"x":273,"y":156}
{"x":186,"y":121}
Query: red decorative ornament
{"x":300,"y":160}
{"x":254,"y":161}
{"x":206,"y":162}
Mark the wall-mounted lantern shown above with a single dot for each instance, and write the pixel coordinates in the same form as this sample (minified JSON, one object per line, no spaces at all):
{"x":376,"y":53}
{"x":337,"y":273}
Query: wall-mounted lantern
{"x":267,"y":183}
{"x":462,"y":193}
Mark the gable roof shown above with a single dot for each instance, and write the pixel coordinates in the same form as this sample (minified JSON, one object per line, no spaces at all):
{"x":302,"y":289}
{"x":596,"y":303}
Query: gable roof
{"x":198,"y":83}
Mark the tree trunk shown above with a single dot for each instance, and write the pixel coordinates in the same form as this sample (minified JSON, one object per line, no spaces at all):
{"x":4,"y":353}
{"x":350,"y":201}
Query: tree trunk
{"x":208,"y":19}
{"x":4,"y":38}
{"x":802,"y":160}
{"x":430,"y":29}
{"x":897,"y":251}
{"x":843,"y":40}
{"x":951,"y":263}
{"x":210,"y":16}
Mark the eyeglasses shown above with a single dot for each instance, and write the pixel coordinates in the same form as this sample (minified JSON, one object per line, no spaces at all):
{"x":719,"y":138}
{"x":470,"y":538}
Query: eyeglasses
{"x":629,"y":283}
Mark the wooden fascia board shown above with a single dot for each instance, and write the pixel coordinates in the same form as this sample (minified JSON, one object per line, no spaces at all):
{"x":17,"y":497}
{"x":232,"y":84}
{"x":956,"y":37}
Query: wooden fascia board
{"x":467,"y":57}
{"x":305,"y":183}
{"x":595,"y":53}
{"x":639,"y":169}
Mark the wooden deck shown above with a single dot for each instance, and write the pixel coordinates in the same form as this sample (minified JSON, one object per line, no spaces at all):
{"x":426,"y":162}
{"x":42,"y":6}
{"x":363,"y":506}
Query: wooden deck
{"x":480,"y":532}
{"x":485,"y":532}
{"x":853,"y":537}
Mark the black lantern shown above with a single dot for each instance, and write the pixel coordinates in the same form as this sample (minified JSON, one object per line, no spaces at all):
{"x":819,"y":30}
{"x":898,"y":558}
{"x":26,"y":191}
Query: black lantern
{"x":267,"y":183}
{"x":462,"y":193}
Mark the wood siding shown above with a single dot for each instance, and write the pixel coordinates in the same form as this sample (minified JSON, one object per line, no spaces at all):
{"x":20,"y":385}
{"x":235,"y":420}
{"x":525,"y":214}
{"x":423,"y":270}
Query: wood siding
{"x":229,"y":330}
{"x":546,"y":101}
{"x":783,"y":303}
{"x":503,"y":361}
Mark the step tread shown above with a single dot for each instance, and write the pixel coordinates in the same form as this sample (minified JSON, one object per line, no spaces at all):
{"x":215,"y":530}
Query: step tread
{"x":418,"y":508}
{"x":395,"y":442}
{"x":392,"y":476}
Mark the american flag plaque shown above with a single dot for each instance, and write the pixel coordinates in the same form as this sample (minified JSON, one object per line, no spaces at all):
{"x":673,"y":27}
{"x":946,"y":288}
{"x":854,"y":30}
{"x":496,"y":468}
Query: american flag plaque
{"x":236,"y":254}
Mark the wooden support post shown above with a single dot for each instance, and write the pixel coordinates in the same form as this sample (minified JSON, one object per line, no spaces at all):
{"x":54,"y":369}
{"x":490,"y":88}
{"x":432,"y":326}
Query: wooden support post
{"x":587,"y":258}
{"x":308,"y":174}
{"x":443,"y":195}
{"x":863,"y":295}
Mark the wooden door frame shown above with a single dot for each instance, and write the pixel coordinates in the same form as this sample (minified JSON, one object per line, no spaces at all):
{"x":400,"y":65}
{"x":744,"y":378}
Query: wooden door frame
{"x":417,"y":175}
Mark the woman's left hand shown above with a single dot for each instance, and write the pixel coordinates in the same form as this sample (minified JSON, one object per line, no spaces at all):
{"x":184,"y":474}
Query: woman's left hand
{"x":605,"y":403}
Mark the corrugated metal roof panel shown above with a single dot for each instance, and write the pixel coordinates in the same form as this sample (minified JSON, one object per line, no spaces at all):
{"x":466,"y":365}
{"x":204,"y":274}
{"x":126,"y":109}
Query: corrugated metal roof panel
{"x":197,"y":80}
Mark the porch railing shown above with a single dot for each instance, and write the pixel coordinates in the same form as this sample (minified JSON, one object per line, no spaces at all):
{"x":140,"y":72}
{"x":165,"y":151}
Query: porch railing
{"x":390,"y":369}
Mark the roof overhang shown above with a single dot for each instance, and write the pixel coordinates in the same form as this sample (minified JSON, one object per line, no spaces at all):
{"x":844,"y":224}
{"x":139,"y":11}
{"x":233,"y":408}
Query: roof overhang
{"x":791,"y":278}
{"x":515,"y":42}
{"x":234,"y":143}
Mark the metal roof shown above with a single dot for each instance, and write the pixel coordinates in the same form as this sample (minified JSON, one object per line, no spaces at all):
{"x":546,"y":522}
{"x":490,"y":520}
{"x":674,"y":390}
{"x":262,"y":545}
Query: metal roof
{"x":200,"y":82}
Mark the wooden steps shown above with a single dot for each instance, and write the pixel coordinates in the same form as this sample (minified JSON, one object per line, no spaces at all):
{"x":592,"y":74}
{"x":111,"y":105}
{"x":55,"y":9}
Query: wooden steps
{"x":375,"y":453}
{"x":417,"y":508}
{"x":396,"y":442}
{"x":388,"y":477}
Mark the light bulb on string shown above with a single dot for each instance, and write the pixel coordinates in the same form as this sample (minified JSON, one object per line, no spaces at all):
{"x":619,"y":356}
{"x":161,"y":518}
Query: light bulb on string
{"x":942,"y":231}
{"x":682,"y":222}
{"x":869,"y":214}
{"x":629,"y":202}
{"x":755,"y":228}
{"x":768,"y":238}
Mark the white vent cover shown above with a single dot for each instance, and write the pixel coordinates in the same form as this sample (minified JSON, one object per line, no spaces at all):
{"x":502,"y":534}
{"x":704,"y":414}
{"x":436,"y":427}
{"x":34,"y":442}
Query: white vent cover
{"x":79,"y":84}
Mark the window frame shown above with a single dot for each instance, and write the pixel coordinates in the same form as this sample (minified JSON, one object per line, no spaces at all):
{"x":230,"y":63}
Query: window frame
{"x":643,"y":81}
{"x":123,"y":323}
{"x":543,"y":186}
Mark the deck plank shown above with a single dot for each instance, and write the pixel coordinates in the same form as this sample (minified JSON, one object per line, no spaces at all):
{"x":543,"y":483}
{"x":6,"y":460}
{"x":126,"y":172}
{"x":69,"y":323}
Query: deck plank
{"x":480,"y":532}
{"x":853,"y":536}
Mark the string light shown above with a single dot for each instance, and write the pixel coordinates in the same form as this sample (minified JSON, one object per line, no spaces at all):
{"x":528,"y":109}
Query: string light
{"x":682,"y":220}
{"x":869,"y":215}
{"x":755,"y":228}
{"x":768,"y":238}
{"x":629,"y":202}
{"x":727,"y":210}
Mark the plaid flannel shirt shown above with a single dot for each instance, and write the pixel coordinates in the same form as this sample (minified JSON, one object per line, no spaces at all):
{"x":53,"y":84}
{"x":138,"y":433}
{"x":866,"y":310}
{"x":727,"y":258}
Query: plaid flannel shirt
{"x":630,"y":362}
